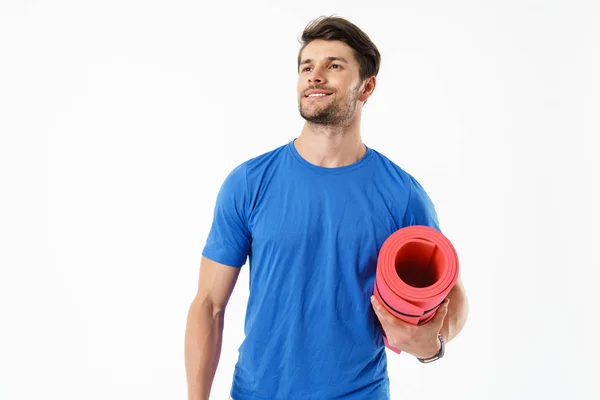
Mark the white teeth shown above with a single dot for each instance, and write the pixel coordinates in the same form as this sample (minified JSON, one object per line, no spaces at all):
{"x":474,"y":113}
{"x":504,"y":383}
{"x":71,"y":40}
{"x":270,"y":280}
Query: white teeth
{"x":317,"y":94}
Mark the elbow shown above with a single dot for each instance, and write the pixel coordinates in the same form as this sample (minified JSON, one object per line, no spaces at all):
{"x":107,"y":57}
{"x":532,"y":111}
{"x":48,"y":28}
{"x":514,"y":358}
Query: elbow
{"x":206,"y":305}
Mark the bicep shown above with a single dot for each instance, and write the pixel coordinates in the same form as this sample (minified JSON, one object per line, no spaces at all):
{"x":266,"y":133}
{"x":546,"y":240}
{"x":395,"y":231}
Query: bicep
{"x":216,"y":282}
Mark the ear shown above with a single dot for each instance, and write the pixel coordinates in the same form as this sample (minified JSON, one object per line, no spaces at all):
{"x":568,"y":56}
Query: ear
{"x":369,"y":87}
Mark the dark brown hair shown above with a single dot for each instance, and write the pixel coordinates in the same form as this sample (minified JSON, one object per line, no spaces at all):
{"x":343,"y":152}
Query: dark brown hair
{"x":337,"y":28}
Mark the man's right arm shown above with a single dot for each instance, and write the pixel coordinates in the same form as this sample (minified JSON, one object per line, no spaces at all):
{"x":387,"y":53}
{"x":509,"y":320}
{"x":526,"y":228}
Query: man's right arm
{"x":204,"y":330}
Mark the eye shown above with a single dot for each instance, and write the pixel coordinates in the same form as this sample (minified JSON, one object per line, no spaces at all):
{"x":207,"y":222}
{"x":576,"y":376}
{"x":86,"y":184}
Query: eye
{"x":336,"y":65}
{"x":305,"y":69}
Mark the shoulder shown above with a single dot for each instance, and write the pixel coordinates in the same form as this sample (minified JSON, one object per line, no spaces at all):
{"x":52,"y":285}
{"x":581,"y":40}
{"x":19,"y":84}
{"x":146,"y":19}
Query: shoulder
{"x":262,"y":161}
{"x":256,"y":165}
{"x":390,"y":168}
{"x":244,"y":182}
{"x":417,"y":200}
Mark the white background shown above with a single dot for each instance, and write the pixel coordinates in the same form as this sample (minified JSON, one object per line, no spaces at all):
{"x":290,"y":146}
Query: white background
{"x":119,"y":121}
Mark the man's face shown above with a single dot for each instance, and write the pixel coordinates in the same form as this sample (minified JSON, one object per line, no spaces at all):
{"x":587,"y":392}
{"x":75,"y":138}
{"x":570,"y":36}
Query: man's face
{"x":328,"y":82}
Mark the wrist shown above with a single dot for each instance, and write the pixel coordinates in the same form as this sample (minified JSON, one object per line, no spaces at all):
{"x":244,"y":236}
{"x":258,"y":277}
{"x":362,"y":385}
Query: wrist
{"x":434,"y":349}
{"x":434,"y":354}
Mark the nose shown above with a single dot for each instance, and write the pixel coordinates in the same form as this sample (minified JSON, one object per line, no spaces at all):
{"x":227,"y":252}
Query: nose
{"x":315,"y":76}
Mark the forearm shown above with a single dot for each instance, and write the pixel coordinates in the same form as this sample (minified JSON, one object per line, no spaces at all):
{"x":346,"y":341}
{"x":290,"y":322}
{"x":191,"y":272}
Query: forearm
{"x":203,"y":339}
{"x":458,"y":311}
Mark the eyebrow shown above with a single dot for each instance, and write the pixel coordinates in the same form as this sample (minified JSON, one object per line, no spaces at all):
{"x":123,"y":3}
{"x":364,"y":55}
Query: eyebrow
{"x":330,"y":58}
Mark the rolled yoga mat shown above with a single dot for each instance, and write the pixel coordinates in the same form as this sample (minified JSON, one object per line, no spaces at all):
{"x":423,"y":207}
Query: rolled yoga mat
{"x":417,"y":266}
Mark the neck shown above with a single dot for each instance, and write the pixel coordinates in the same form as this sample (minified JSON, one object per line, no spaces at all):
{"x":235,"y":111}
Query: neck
{"x":331,"y":146}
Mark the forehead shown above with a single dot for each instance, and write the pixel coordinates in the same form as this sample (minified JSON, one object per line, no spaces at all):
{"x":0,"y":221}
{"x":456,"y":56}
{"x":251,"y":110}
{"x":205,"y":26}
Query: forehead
{"x":320,"y":49}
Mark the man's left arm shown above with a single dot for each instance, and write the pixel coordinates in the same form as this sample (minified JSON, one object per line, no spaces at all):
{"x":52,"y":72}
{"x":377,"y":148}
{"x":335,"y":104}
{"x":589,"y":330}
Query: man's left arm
{"x":458,"y":311}
{"x":421,"y":340}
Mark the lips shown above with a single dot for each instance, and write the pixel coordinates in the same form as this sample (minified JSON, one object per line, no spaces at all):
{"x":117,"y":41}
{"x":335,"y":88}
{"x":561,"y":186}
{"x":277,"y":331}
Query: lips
{"x":317,"y":97}
{"x":315,"y":93}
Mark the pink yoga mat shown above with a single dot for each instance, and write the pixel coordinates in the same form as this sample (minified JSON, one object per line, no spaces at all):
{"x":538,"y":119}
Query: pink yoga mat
{"x":417,"y":267}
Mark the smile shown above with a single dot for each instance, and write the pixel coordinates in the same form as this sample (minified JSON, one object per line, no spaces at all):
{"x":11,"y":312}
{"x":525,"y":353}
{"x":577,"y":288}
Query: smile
{"x":317,"y":95}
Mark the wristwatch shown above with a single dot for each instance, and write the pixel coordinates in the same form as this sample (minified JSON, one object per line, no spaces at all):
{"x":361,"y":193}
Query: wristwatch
{"x":439,"y":355}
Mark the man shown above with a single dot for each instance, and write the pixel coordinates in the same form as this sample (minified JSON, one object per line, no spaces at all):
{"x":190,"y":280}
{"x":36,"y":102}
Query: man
{"x":311,"y":216}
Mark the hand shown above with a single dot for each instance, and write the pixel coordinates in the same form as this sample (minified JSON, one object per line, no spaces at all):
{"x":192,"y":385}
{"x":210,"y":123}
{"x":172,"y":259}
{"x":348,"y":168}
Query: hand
{"x":419,"y":340}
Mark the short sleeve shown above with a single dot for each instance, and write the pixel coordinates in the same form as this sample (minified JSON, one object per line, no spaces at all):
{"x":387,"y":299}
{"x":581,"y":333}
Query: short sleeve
{"x":420,"y":210}
{"x":229,"y":238}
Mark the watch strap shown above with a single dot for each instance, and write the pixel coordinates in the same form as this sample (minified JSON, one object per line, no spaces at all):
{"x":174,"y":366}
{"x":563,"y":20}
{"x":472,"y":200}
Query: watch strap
{"x":439,"y":355}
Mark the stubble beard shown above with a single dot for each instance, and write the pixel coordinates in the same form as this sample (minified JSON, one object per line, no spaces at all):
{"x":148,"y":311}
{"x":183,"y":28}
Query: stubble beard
{"x":335,"y":113}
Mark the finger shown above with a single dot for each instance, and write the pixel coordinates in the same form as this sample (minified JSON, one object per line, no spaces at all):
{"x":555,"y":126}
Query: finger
{"x":382,"y":313}
{"x":443,"y":311}
{"x":440,"y":314}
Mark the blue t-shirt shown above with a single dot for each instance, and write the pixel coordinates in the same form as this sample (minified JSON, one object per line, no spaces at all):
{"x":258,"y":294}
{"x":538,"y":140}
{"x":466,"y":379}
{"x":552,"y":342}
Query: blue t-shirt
{"x":312,"y":237}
